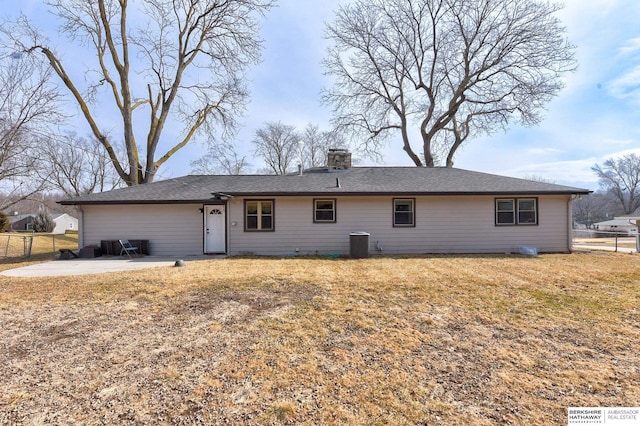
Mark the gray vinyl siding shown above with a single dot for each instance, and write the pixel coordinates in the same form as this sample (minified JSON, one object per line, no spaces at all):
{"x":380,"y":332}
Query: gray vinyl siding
{"x":444,"y":224}
{"x":170,"y":229}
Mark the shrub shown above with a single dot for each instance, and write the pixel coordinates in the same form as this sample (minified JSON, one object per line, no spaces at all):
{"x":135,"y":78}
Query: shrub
{"x":43,"y":222}
{"x":4,"y":222}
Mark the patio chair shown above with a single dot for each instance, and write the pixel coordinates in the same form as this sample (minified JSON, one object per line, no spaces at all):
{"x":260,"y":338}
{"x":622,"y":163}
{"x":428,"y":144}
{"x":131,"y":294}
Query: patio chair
{"x":128,"y":248}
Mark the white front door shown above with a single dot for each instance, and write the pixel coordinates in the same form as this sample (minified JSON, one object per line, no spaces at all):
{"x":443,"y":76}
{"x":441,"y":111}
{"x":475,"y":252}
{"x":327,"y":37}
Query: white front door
{"x":215,"y":229}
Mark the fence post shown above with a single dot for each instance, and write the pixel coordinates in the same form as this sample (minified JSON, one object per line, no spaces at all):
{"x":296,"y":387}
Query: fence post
{"x":27,"y":251}
{"x":6,"y":249}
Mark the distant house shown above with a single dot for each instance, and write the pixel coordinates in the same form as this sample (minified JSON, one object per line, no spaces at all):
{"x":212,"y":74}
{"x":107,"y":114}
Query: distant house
{"x":403,"y":209}
{"x":21,"y":222}
{"x":622,"y":225}
{"x":24,"y":222}
{"x":64,"y":222}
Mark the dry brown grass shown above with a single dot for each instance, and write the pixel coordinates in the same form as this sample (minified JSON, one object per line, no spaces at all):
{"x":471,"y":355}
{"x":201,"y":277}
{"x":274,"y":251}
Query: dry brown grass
{"x":44,"y":246}
{"x":454,"y":340}
{"x":626,"y":242}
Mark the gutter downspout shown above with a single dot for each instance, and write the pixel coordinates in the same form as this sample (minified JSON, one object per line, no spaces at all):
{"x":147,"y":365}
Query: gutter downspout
{"x":80,"y":226}
{"x":573,"y":198}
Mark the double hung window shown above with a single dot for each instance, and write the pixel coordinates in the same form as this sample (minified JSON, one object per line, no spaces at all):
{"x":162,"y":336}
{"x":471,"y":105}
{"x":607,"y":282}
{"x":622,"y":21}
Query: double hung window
{"x":516,"y":211}
{"x":404,"y":212}
{"x":324,"y":211}
{"x":259,"y":215}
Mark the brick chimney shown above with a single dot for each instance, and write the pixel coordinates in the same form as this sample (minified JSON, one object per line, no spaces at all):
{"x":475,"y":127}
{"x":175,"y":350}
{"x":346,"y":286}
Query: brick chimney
{"x":338,"y":159}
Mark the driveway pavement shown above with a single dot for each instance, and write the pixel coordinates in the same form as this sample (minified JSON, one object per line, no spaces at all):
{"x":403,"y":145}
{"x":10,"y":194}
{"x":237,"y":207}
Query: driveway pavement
{"x":97,"y":265}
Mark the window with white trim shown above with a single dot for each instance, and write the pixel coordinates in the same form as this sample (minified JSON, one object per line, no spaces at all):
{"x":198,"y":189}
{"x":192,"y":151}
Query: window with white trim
{"x":259,"y":215}
{"x":403,"y":212}
{"x":516,"y":211}
{"x":324,"y":211}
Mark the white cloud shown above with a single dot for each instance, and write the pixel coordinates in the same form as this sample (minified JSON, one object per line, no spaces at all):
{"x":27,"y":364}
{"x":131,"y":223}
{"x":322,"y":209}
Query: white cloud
{"x":544,"y":151}
{"x":631,"y":46}
{"x":626,"y":85}
{"x":620,"y":154}
{"x":600,"y":30}
{"x":618,"y":142}
{"x":571,"y":172}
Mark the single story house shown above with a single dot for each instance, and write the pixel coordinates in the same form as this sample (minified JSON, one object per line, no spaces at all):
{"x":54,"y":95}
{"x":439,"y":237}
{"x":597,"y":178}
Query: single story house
{"x":24,"y":222}
{"x":64,"y":222}
{"x":623,"y":225}
{"x":21,"y":222}
{"x":405,"y":210}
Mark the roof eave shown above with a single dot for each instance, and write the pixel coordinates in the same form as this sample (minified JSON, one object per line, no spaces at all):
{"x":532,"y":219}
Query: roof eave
{"x":325,"y":193}
{"x":407,"y":193}
{"x":120,"y":202}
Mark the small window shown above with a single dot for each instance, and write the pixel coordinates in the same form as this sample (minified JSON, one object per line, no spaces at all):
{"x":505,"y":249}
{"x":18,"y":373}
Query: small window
{"x":527,"y":211}
{"x":324,"y":211}
{"x":403,"y":212}
{"x":517,"y":211}
{"x":258,"y":215}
{"x":505,"y":212}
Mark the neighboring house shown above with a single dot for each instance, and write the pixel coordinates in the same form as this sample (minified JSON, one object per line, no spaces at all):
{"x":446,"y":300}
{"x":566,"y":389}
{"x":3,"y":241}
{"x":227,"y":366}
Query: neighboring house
{"x":64,"y":222}
{"x":24,"y":222}
{"x":21,"y":222}
{"x":404,"y":209}
{"x":623,"y":225}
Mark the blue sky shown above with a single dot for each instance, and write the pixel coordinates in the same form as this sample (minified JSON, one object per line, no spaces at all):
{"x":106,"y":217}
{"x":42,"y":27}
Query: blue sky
{"x":594,"y":118}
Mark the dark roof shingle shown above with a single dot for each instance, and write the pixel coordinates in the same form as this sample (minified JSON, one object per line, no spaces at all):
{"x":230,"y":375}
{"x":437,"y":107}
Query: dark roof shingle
{"x":357,"y":181}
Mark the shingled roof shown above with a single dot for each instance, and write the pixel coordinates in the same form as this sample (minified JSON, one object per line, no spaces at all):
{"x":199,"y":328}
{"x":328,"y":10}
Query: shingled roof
{"x":396,"y":181}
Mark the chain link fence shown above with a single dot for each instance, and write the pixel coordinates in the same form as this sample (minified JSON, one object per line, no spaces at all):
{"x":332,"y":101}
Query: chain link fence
{"x":589,"y":239}
{"x":24,"y":245}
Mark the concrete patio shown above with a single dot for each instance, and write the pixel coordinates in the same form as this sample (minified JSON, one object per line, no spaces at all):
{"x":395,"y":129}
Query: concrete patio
{"x":96,"y":265}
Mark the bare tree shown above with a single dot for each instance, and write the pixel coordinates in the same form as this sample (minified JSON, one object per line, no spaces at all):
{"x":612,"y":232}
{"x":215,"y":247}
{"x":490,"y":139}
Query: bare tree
{"x":221,"y":158}
{"x":621,"y":179}
{"x":43,"y":200}
{"x":278,"y":146}
{"x":160,"y":62}
{"x":315,"y":144}
{"x":76,"y":165}
{"x":538,"y":178}
{"x":595,"y":207}
{"x":442,"y":71}
{"x":28,"y":106}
